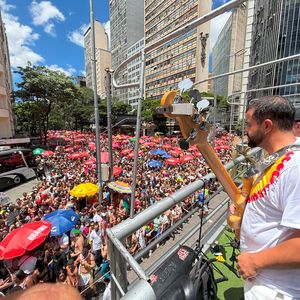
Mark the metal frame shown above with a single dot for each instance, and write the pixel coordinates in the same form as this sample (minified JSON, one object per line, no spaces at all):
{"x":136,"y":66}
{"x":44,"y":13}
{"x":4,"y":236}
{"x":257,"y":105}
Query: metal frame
{"x":117,"y":234}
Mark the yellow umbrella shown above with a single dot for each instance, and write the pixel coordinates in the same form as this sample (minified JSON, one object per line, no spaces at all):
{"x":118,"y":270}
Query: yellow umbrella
{"x":84,"y":190}
{"x":120,"y":187}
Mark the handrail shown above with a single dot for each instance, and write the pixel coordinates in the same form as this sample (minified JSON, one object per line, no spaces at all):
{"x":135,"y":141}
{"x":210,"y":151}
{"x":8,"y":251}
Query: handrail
{"x":117,"y":234}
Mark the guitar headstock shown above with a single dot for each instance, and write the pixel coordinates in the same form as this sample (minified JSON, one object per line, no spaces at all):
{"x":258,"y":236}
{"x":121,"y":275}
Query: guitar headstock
{"x":192,"y":120}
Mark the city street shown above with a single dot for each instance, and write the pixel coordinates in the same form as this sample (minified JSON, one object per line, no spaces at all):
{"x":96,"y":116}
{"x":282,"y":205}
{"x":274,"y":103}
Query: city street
{"x":17,"y":191}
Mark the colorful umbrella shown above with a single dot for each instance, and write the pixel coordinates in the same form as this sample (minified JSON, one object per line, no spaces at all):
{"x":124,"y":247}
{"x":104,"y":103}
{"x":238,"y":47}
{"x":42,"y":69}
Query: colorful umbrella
{"x":175,"y":152}
{"x":84,"y":190}
{"x":117,"y":170}
{"x":78,"y":155}
{"x":172,"y":161}
{"x":120,"y":186}
{"x":69,"y":149}
{"x":125,"y":152}
{"x":47,"y":153}
{"x":25,"y":238}
{"x":155,"y":164}
{"x":158,"y":152}
{"x":38,"y":151}
{"x":167,"y":146}
{"x":187,"y":158}
{"x":62,"y":220}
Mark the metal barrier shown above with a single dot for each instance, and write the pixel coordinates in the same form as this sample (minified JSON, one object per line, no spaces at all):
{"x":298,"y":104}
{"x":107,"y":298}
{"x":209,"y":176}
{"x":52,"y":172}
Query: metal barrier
{"x":116,"y":235}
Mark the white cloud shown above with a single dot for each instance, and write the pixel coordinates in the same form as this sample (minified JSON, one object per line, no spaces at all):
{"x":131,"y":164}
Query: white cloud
{"x":83,"y":72}
{"x":69,"y":71}
{"x":76,"y":36}
{"x":20,"y":39}
{"x":216,"y":27}
{"x":44,"y":13}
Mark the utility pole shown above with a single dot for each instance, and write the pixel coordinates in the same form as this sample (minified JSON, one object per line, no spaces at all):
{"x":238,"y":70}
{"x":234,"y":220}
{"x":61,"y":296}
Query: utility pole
{"x":93,"y":60}
{"x":109,"y":126}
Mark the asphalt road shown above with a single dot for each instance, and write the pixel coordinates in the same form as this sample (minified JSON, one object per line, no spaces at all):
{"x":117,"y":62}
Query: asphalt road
{"x":17,"y":191}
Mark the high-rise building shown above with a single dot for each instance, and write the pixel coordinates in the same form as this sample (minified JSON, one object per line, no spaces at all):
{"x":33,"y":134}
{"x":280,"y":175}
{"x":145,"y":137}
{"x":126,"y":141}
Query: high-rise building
{"x":7,"y":127}
{"x":127,"y":29}
{"x":185,"y":56}
{"x":228,"y":55}
{"x":134,"y":72}
{"x":276,"y":34}
{"x":103,"y":57}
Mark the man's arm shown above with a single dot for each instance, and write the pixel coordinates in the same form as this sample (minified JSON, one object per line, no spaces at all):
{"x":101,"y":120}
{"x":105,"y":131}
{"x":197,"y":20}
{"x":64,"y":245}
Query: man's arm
{"x":285,"y":254}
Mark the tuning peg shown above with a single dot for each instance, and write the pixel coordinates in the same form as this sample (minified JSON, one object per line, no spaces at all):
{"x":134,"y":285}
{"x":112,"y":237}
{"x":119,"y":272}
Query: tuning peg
{"x":177,"y":99}
{"x":196,"y":118}
{"x":184,"y":143}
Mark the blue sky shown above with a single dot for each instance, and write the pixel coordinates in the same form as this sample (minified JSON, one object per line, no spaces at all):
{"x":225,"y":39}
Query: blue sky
{"x":51,"y":32}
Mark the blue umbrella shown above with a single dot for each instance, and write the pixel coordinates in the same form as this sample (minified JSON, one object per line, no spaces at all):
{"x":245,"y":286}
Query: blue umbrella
{"x":167,"y":155}
{"x":62,"y":220}
{"x":158,"y":152}
{"x":155,"y":164}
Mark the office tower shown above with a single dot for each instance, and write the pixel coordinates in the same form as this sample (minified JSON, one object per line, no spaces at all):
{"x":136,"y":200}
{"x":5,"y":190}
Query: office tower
{"x":7,"y":127}
{"x":127,"y":29}
{"x":228,"y":55}
{"x":275,"y":34}
{"x":185,"y":56}
{"x":103,"y":57}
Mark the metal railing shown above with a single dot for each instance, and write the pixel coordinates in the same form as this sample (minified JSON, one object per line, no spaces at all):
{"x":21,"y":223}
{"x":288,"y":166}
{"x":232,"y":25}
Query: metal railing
{"x":120,"y":256}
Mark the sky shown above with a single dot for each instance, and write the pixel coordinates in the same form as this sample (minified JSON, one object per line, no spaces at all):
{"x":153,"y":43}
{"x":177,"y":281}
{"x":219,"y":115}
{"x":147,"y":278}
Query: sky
{"x":50,"y":33}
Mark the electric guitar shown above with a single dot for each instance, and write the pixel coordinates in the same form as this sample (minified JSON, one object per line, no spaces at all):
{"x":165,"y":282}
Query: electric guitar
{"x":195,"y":130}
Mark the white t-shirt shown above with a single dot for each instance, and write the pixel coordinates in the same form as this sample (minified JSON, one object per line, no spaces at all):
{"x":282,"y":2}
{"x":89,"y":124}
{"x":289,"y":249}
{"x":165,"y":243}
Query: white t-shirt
{"x":272,"y":214}
{"x":95,"y":237}
{"x":97,"y":218}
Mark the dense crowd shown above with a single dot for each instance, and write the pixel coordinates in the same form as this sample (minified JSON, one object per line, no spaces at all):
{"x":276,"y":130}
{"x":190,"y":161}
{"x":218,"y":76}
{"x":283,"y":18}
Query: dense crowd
{"x":80,"y":256}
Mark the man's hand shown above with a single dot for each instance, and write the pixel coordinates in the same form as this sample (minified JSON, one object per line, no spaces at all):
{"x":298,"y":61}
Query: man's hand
{"x":246,"y":265}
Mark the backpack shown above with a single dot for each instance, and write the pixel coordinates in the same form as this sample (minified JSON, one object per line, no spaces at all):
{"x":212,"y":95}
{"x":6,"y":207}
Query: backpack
{"x":202,"y":276}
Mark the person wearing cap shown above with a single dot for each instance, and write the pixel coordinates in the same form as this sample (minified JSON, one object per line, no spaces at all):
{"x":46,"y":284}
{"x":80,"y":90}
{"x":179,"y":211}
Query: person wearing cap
{"x":296,"y":128}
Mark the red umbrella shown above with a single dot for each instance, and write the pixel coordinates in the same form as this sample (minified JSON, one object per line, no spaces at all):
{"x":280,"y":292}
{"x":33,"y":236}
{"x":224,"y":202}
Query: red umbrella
{"x":117,"y":171}
{"x":69,"y":149}
{"x":187,"y":158}
{"x":47,"y":153}
{"x":125,"y":151}
{"x":131,"y":154}
{"x":78,"y":155}
{"x":172,"y":161}
{"x":167,"y":146}
{"x":198,"y":154}
{"x":90,"y":161}
{"x":193,"y":148}
{"x":116,"y":145}
{"x":175,"y":152}
{"x":24,"y":238}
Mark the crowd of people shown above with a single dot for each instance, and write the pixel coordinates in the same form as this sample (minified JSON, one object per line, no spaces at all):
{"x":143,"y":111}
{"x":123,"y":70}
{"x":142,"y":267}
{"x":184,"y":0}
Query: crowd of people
{"x":80,"y":257}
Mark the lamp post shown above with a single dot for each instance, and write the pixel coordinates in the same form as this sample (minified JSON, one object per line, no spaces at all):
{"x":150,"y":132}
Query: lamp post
{"x":93,"y":60}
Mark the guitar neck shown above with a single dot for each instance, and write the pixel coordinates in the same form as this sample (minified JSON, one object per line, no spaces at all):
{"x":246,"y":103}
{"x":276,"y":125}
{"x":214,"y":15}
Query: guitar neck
{"x":221,"y":173}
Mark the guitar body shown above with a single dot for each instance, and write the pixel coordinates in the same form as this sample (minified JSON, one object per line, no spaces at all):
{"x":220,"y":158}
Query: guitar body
{"x":187,"y":124}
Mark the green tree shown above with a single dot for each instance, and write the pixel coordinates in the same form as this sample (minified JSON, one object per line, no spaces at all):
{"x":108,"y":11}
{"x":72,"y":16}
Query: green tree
{"x":45,"y":89}
{"x":149,"y":109}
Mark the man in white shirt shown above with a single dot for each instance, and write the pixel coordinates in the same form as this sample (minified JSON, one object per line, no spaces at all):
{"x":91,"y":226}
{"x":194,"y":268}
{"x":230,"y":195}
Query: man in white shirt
{"x":96,"y":239}
{"x":296,"y":128}
{"x":270,"y":231}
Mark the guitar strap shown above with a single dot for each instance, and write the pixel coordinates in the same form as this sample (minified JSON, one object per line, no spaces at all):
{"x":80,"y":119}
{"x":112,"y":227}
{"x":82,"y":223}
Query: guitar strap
{"x":260,"y":167}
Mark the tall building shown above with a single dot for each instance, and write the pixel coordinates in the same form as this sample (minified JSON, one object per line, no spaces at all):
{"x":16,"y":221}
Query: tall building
{"x":276,"y":34}
{"x":185,"y":56}
{"x":7,"y":127}
{"x":134,"y":72}
{"x":127,"y":29}
{"x":103,"y":57}
{"x":228,"y":55}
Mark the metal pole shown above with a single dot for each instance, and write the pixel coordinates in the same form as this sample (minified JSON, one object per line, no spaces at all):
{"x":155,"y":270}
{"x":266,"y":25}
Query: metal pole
{"x":215,"y":112}
{"x":93,"y":59}
{"x":109,"y":126}
{"x":137,"y":135}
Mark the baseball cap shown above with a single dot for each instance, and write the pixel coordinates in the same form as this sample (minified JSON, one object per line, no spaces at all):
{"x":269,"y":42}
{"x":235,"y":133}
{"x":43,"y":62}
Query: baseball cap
{"x":297,"y":114}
